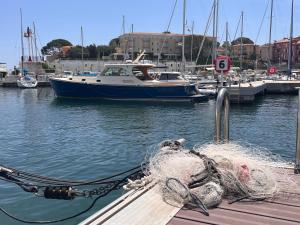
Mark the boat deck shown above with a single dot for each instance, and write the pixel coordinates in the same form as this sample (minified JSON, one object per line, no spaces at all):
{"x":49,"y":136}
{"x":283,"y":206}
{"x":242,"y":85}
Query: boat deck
{"x":147,"y":207}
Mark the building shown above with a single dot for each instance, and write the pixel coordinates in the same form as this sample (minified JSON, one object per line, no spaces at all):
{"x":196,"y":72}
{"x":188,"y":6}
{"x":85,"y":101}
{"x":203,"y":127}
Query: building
{"x":163,"y":45}
{"x":3,"y":70}
{"x":281,"y":50}
{"x":248,"y":50}
{"x":264,"y":53}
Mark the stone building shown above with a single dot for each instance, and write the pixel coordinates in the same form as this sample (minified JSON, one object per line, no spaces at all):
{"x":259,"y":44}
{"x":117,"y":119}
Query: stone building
{"x":281,"y":50}
{"x":163,"y":45}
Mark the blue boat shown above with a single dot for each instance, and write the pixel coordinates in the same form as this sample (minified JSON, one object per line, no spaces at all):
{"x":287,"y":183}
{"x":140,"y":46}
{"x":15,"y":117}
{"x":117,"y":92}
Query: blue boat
{"x":128,"y":81}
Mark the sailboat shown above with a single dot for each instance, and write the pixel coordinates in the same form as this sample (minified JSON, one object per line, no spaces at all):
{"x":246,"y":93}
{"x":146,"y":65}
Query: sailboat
{"x":25,"y":81}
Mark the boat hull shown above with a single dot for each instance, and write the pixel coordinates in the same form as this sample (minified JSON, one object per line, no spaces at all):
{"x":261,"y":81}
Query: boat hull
{"x":67,"y":89}
{"x":27,"y":82}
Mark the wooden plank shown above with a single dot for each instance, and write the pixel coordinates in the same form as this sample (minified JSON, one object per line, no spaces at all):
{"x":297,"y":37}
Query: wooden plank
{"x":142,"y":207}
{"x":110,"y":209}
{"x":228,"y":217}
{"x":148,"y":210}
{"x":267,"y":209}
{"x":287,"y":199}
{"x":181,"y":221}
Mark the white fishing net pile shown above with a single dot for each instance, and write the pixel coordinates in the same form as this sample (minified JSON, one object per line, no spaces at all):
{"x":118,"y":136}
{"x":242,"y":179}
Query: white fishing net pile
{"x":242,"y":173}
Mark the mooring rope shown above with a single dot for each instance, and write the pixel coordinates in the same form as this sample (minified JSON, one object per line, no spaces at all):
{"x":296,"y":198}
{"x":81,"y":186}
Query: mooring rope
{"x":63,"y":189}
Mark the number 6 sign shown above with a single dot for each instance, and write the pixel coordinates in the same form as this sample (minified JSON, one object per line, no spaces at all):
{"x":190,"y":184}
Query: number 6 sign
{"x":222,"y":64}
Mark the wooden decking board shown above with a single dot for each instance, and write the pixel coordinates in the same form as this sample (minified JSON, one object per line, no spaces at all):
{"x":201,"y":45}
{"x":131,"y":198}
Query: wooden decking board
{"x":265,"y":209}
{"x":229,"y":217}
{"x":180,"y":221}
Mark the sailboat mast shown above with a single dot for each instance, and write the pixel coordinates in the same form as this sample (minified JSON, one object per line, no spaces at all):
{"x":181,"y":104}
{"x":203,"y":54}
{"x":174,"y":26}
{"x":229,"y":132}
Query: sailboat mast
{"x":183,"y":36}
{"x":29,"y":47}
{"x":214,"y":35}
{"x":241,"y":43}
{"x":192,"y":42}
{"x":31,"y":43}
{"x":226,"y":41}
{"x":270,"y":33}
{"x":217,"y":27}
{"x":35,"y":45}
{"x":132,"y":39}
{"x":82,"y":48}
{"x":22,"y":42}
{"x":123,"y":25}
{"x":291,"y":41}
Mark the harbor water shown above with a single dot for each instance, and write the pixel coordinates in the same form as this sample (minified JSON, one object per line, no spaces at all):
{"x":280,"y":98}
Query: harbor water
{"x":90,"y":139}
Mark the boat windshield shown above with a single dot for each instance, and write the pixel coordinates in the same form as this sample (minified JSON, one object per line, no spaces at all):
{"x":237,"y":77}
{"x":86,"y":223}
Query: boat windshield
{"x":141,"y":73}
{"x":114,"y":71}
{"x":170,"y":76}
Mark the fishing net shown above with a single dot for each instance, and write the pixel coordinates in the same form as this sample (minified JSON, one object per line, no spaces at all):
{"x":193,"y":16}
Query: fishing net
{"x":202,"y":177}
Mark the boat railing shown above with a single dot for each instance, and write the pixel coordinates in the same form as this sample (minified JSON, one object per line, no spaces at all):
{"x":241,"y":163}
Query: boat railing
{"x":297,"y":161}
{"x":222,"y":100}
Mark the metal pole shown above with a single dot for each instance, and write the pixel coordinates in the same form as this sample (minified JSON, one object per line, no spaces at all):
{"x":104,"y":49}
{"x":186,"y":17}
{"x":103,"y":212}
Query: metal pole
{"x":35,"y":45}
{"x":192,"y":42}
{"x":270,"y":33}
{"x":226,"y":41}
{"x":297,"y":162}
{"x":183,"y":36}
{"x":82,"y":48}
{"x":132,"y":58}
{"x":22,"y":43}
{"x":241,"y":44}
{"x":223,"y":97}
{"x":222,"y":75}
{"x":291,"y":42}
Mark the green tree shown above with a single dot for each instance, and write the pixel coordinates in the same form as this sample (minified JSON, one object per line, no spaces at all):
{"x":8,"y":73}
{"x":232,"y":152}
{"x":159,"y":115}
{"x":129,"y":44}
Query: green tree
{"x":104,"y":50}
{"x":245,"y":40}
{"x":76,"y":52}
{"x":92,"y":50}
{"x":53,"y":46}
{"x":114,"y":43}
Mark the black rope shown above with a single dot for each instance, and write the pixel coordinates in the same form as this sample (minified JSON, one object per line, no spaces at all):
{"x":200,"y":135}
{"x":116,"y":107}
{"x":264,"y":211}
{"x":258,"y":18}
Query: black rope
{"x":57,"y":182}
{"x":114,"y":187}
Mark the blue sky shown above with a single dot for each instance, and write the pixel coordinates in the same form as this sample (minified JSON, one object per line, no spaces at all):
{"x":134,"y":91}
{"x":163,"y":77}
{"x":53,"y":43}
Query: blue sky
{"x":102,"y":19}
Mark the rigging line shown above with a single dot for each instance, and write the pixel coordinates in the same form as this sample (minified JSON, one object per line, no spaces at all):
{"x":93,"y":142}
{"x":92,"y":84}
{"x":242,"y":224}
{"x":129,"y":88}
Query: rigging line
{"x":206,"y":29}
{"x":262,"y":21}
{"x":237,"y":28}
{"x":168,"y":28}
{"x":69,"y":217}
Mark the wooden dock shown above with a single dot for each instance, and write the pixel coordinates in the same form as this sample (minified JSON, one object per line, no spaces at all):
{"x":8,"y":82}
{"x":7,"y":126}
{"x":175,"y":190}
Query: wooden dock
{"x":147,"y":207}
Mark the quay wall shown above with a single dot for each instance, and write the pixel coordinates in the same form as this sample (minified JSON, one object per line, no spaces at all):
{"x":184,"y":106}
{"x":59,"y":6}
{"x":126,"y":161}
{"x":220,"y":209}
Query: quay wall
{"x":282,"y":87}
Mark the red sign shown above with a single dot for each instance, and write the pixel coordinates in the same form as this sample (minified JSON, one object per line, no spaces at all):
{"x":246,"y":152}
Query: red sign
{"x":222,"y":64}
{"x":272,"y":70}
